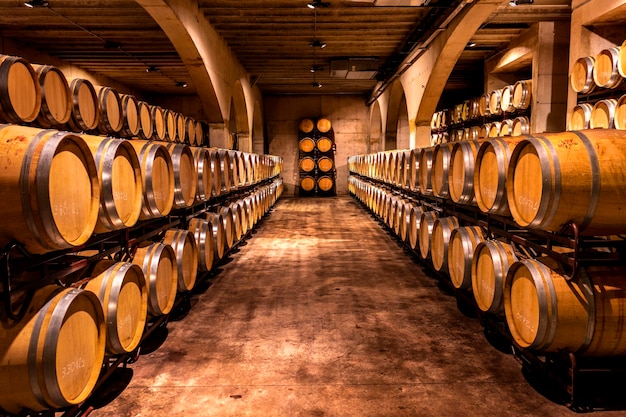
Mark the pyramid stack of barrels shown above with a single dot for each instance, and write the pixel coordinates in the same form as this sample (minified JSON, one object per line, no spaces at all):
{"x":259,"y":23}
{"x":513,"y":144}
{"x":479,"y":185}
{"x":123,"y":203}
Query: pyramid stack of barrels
{"x":528,"y":230}
{"x":129,"y":191}
{"x":599,"y":83}
{"x":316,"y":150}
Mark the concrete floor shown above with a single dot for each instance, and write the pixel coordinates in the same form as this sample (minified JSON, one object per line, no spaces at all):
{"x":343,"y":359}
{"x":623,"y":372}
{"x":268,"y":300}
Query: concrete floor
{"x":322,"y":313}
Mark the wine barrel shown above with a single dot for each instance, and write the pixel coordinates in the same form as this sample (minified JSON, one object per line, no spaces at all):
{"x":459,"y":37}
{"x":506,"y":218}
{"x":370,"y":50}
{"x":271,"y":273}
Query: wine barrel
{"x":181,"y":131}
{"x":427,"y":221}
{"x":580,"y":117}
{"x":619,"y":117}
{"x":495,"y":102}
{"x":463,"y":242}
{"x":229,"y":225}
{"x":42,"y":210}
{"x":306,"y":125}
{"x":237,"y":168}
{"x":425,"y":168}
{"x":483,"y":105}
{"x":568,"y":177}
{"x":325,"y":164}
{"x":548,"y":313}
{"x":506,"y":126}
{"x":226,"y":171}
{"x":520,"y":126}
{"x":494,"y":129}
{"x":441,"y":169}
{"x":157,"y":173}
{"x":203,"y":234}
{"x":491,"y":262}
{"x":123,"y":293}
{"x":130,"y":116}
{"x":323,"y":125}
{"x":581,"y":76}
{"x":216,"y":221}
{"x":414,"y":160}
{"x":324,"y":144}
{"x":307,"y":183}
{"x":158,"y":263}
{"x":200,"y":133}
{"x":52,"y":357}
{"x":306,"y":144}
{"x":216,"y":171}
{"x":110,"y":120}
{"x":442,"y":228}
{"x":85,"y":106}
{"x":204,"y":174}
{"x":461,"y":171}
{"x":184,"y":245}
{"x":190,"y":131}
{"x":490,"y":169}
{"x":414,"y":225}
{"x":484,"y":131}
{"x":20,"y":92}
{"x":169,"y":117}
{"x":185,"y":174}
{"x":56,"y":99}
{"x":146,"y":124}
{"x":603,"y":114}
{"x":325,"y":183}
{"x":404,"y":220}
{"x":159,"y":128}
{"x":121,"y":189}
{"x":522,"y":94}
{"x":605,"y":68}
{"x":250,"y":211}
{"x":241,"y":226}
{"x":474,"y":133}
{"x":506,"y":99}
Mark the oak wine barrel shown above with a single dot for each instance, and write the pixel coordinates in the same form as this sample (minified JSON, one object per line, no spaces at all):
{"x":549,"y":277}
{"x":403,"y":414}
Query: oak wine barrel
{"x":306,"y":144}
{"x":548,"y":313}
{"x":461,"y":171}
{"x":427,"y":221}
{"x":146,"y":124}
{"x":120,"y":178}
{"x":566,"y":177}
{"x":325,"y":164}
{"x":619,"y":117}
{"x":463,"y":242}
{"x":483,"y":105}
{"x":219,"y":236}
{"x":325,"y":183}
{"x":216,"y":171}
{"x":131,"y":124}
{"x":158,"y":263}
{"x":580,"y":117}
{"x":50,"y":192}
{"x":506,"y":99}
{"x":56,"y":99}
{"x":520,"y":126}
{"x":605,"y":68}
{"x":522,"y":94}
{"x":506,"y":127}
{"x":603,"y":114}
{"x":52,"y":357}
{"x":185,"y":174}
{"x":414,"y":225}
{"x":157,"y":173}
{"x":441,"y":169}
{"x":324,"y":144}
{"x":229,"y":225}
{"x":184,"y":245}
{"x":159,"y":128}
{"x":123,"y":293}
{"x":203,"y":234}
{"x":490,"y":265}
{"x":85,"y":106}
{"x":110,"y":120}
{"x":20,"y":92}
{"x":171,"y":133}
{"x":307,"y":183}
{"x":414,"y":160}
{"x":581,"y":76}
{"x":306,"y":125}
{"x":226,"y":170}
{"x":204,"y":173}
{"x":442,"y":228}
{"x":425,"y":168}
{"x":495,"y":102}
{"x":323,"y":125}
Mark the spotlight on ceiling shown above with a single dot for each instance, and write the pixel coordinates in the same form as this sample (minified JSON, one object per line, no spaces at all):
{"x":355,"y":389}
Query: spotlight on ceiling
{"x":518,"y":2}
{"x":181,"y":84}
{"x":317,"y":44}
{"x":471,"y":44}
{"x":152,"y":68}
{"x":316,"y":68}
{"x":36,"y":3}
{"x":317,"y":4}
{"x":315,"y":84}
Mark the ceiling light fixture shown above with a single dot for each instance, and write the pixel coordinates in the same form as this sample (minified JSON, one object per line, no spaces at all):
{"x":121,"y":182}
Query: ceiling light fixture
{"x":317,"y":44}
{"x":471,"y":44}
{"x":152,"y":68}
{"x":315,"y":84}
{"x":36,"y":3}
{"x":316,"y":68}
{"x":518,"y":2}
{"x":181,"y":84}
{"x":317,"y":4}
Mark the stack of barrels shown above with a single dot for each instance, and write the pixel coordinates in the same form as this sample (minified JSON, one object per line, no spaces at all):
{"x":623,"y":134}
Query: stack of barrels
{"x":41,"y":96}
{"x":602,"y":75}
{"x":502,"y":112}
{"x":316,"y":150}
{"x":61,"y":187}
{"x":547,"y":183}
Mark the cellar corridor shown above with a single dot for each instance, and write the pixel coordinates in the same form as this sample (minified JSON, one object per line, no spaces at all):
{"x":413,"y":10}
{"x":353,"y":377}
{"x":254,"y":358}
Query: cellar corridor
{"x":322,"y":313}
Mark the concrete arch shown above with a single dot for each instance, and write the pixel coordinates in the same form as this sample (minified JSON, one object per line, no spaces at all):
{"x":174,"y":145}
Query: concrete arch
{"x":258,"y":136}
{"x":376,"y":128}
{"x":239,"y":126}
{"x":396,"y":110}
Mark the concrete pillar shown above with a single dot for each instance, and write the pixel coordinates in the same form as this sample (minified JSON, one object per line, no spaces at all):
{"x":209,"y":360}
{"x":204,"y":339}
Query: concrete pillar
{"x":219,"y":136}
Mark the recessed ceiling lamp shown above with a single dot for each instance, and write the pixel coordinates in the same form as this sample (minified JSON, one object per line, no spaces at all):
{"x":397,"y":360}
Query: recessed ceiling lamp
{"x":152,"y":68}
{"x":317,"y":4}
{"x":181,"y":84}
{"x":36,"y":3}
{"x":518,"y":2}
{"x":317,"y":44}
{"x":471,"y":44}
{"x":316,"y":68}
{"x":315,"y":84}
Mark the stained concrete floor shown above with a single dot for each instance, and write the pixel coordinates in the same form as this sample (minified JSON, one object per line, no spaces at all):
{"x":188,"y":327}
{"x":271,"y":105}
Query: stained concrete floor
{"x":322,"y":313}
